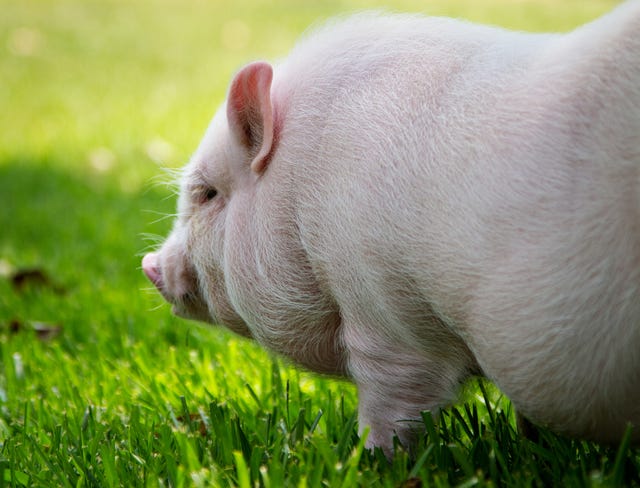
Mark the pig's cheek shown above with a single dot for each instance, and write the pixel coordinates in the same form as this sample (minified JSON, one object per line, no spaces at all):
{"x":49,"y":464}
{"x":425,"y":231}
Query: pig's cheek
{"x":221,"y":309}
{"x":206,"y":248}
{"x":205,"y":235}
{"x":233,"y":249}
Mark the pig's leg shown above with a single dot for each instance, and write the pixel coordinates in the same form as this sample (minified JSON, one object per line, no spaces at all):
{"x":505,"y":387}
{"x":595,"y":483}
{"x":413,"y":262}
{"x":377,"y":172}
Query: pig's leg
{"x":396,"y":383}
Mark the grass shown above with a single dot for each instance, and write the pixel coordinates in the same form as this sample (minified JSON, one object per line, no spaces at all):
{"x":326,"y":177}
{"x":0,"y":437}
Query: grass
{"x":99,"y":384}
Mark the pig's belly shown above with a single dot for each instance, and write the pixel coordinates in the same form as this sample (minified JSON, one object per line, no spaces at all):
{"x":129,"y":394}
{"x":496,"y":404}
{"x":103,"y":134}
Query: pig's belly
{"x":574,"y":390}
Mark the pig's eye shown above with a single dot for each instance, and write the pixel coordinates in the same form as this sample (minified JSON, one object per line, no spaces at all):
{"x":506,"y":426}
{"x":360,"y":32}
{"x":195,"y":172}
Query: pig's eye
{"x":201,"y":194}
{"x":204,"y":194}
{"x":210,"y":194}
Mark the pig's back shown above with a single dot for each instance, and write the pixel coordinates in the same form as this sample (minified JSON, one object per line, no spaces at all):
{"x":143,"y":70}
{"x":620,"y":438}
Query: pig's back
{"x":379,"y":52}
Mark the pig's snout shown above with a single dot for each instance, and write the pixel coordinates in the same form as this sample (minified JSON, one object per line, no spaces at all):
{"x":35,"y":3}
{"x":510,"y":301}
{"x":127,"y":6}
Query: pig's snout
{"x":152,"y":270}
{"x":175,"y":279}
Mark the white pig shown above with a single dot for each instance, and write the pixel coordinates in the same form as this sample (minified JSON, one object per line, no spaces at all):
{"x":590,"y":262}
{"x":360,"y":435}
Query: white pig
{"x":410,"y":201}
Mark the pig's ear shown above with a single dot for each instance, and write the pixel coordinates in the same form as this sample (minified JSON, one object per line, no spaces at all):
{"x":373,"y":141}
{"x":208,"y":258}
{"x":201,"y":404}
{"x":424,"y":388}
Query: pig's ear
{"x":250,"y":113}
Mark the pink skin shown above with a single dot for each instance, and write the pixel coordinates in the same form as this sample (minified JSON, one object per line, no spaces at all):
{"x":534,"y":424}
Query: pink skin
{"x":151,"y":269}
{"x":409,"y":201}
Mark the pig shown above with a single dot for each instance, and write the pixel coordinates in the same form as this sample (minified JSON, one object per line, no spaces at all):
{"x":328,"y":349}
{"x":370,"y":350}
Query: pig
{"x":409,"y":201}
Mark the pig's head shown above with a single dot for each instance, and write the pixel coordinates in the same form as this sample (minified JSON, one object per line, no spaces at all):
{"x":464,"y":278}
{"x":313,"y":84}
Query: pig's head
{"x":234,"y":256}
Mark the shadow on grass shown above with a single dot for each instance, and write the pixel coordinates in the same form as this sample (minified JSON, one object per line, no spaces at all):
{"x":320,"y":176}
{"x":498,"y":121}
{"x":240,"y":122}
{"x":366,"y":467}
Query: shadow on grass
{"x":81,"y":232}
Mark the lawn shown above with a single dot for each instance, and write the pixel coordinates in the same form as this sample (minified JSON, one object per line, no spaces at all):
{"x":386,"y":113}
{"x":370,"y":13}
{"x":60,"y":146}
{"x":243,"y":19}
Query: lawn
{"x":99,"y":384}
